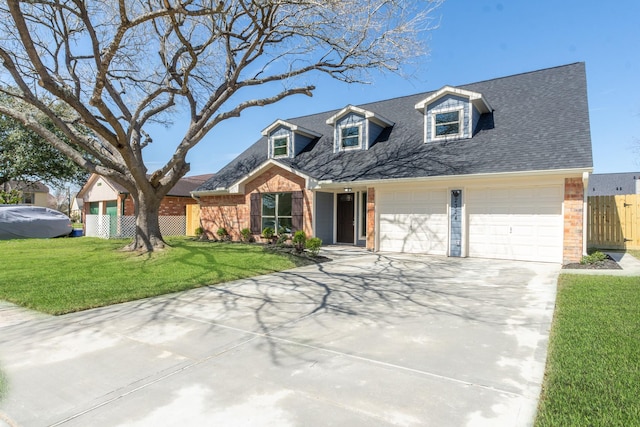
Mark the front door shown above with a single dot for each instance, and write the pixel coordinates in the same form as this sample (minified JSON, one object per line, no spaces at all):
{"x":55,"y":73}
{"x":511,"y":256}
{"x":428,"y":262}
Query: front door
{"x":345,"y":218}
{"x":455,"y":224}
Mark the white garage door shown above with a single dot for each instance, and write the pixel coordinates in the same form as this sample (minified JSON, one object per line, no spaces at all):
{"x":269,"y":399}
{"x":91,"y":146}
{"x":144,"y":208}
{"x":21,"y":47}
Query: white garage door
{"x":413,"y":221}
{"x":516,"y":223}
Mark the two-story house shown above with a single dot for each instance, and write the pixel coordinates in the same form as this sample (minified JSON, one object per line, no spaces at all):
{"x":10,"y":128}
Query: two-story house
{"x":494,"y":169}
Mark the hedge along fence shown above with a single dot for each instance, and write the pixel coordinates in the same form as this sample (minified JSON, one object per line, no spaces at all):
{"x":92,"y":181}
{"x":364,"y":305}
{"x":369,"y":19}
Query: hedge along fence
{"x":113,"y":227}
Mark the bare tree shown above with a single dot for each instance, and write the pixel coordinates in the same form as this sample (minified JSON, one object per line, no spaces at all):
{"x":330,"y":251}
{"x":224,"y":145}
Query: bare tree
{"x":120,"y":65}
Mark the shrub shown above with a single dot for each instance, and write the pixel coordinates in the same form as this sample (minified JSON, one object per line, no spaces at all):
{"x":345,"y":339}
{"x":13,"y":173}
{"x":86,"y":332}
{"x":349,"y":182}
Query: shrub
{"x":223,"y":233}
{"x":282,"y":239}
{"x":594,"y":258}
{"x":199,"y":231}
{"x":268,"y":233}
{"x":246,"y":235}
{"x":299,"y":240}
{"x":313,"y":245}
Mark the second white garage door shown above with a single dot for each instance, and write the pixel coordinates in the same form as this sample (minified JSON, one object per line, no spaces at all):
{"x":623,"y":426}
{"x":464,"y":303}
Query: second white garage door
{"x":516,"y":223}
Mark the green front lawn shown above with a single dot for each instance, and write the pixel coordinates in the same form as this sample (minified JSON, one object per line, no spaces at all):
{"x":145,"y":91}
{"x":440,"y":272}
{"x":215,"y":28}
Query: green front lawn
{"x":59,"y":276}
{"x":592,"y":376}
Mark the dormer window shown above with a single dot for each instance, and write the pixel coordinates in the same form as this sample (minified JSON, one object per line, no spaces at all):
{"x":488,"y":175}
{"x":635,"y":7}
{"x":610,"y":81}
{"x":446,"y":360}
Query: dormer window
{"x":447,"y":123}
{"x":287,"y":140}
{"x":355,"y":128}
{"x":281,"y":146}
{"x":350,"y":137}
{"x":452,"y":113}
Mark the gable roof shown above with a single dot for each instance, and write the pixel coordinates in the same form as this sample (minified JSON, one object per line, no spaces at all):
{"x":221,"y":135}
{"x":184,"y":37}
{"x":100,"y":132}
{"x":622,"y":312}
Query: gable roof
{"x":27,"y":186}
{"x":539,"y":122}
{"x":476,"y":98}
{"x":183,"y":187}
{"x":611,"y":184}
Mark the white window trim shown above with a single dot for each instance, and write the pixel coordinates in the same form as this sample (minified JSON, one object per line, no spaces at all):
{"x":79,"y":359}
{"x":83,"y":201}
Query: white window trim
{"x":273,"y":146}
{"x":360,"y":136}
{"x":362,"y":222}
{"x":450,"y":136}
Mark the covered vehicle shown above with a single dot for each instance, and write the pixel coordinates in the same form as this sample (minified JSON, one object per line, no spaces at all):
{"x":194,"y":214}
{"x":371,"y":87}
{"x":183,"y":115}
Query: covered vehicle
{"x":23,"y":221}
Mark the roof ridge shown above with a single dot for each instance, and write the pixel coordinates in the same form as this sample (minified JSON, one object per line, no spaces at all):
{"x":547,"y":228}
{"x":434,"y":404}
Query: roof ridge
{"x":396,"y":98}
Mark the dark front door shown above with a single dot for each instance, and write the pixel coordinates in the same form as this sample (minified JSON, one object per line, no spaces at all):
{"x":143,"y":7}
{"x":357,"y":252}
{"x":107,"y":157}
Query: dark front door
{"x":345,"y":220}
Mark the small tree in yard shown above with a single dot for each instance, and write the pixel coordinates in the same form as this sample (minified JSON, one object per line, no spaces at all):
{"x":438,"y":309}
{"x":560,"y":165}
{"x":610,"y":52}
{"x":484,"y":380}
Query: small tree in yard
{"x":119,"y":66}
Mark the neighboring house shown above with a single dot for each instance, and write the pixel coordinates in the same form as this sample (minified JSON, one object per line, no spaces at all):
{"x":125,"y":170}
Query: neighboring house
{"x":32,"y":193}
{"x":613,"y":184}
{"x":494,"y":169}
{"x":76,"y":209}
{"x":101,"y":196}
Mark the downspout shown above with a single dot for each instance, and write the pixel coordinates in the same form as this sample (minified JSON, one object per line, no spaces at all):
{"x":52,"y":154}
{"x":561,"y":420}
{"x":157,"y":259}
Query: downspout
{"x":585,"y":211}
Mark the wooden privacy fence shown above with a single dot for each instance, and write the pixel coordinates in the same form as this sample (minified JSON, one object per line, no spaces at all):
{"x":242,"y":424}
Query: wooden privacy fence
{"x":193,"y":219}
{"x":612,"y":222}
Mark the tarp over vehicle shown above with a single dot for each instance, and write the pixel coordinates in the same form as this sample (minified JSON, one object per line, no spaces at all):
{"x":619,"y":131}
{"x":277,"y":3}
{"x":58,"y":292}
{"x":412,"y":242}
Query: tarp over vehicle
{"x":21,"y":222}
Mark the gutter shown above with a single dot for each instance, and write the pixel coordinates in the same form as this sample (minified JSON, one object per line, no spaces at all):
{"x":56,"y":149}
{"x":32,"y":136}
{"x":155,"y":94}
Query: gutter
{"x":549,"y":172}
{"x":328,"y":184}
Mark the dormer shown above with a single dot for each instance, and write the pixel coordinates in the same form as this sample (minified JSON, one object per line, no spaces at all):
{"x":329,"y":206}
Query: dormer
{"x":356,"y":129}
{"x":452,"y":113}
{"x":286,"y":140}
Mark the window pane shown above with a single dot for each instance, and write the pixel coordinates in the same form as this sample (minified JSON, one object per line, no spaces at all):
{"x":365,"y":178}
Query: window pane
{"x":268,"y":204}
{"x":284,"y":225}
{"x":280,"y":147}
{"x":449,"y":117}
{"x":269,"y":222}
{"x":447,"y":129}
{"x":351,"y":136}
{"x":284,"y":204}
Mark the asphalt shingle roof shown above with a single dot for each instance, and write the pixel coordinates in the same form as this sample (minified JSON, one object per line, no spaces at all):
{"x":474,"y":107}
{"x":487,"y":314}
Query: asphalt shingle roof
{"x":540,"y":122}
{"x":610,"y":184}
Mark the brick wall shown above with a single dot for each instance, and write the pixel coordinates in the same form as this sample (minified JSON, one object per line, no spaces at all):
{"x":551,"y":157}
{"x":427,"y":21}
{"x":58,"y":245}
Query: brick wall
{"x":573,"y":220}
{"x":170,"y":206}
{"x":233,"y":211}
{"x":371,"y":218}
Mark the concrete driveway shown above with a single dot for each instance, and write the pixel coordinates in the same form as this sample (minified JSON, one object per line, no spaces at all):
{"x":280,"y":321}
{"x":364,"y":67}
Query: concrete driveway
{"x":366,"y":340}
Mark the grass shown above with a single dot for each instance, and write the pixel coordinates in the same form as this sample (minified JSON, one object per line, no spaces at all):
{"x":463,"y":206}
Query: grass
{"x":58,"y":276}
{"x":592,"y":376}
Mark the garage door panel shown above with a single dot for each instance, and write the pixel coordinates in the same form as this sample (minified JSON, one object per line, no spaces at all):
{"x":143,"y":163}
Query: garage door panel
{"x":413,"y":221}
{"x":516,"y":223}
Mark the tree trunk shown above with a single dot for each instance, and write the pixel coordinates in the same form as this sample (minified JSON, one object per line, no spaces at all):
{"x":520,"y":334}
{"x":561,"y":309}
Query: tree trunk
{"x":148,"y":237}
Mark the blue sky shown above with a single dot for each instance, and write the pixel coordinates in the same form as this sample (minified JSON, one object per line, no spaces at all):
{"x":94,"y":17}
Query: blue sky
{"x":479,"y":40}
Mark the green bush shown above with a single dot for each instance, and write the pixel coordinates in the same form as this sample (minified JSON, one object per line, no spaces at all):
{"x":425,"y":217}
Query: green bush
{"x":199,"y":231}
{"x":299,"y":241}
{"x":282,"y":239}
{"x":313,"y":245}
{"x":246,"y":235}
{"x":223,"y":233}
{"x":594,"y":258}
{"x":268,"y":233}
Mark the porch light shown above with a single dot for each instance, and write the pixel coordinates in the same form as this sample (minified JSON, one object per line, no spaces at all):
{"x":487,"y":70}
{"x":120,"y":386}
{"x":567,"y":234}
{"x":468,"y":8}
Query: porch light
{"x":347,"y":189}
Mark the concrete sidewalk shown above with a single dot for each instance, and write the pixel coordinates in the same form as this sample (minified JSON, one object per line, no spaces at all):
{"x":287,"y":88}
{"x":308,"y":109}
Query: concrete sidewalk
{"x":366,"y":340}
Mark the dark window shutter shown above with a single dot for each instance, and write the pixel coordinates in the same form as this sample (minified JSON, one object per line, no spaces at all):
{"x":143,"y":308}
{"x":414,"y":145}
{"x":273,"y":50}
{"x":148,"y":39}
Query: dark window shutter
{"x":296,"y":210}
{"x":256,"y":213}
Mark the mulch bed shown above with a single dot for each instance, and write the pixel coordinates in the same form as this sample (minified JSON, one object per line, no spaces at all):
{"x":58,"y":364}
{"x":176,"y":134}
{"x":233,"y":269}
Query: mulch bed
{"x":607,"y":264}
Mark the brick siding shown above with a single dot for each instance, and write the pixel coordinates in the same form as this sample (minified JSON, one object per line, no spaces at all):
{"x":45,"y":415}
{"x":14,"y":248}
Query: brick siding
{"x":233,"y":211}
{"x":573,"y":220}
{"x":371,"y":218}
